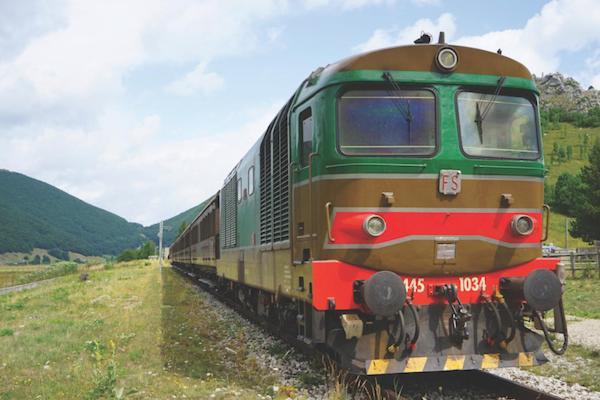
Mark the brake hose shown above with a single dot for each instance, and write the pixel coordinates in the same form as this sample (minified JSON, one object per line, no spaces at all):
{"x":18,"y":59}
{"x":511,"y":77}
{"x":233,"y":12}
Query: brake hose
{"x":413,"y":311}
{"x":513,"y":328}
{"x":562,"y":350}
{"x":394,"y":340}
{"x":494,"y":309}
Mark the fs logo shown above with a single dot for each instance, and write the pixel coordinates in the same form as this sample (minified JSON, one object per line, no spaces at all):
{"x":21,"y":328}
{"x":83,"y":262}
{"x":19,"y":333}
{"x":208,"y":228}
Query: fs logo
{"x":450,"y":181}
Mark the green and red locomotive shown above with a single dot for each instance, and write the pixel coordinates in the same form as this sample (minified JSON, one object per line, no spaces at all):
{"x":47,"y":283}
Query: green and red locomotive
{"x":392,"y":213}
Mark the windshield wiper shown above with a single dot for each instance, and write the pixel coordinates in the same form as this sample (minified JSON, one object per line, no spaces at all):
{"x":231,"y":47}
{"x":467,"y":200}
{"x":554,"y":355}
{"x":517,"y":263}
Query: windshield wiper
{"x":480,"y":116}
{"x":404,"y":109}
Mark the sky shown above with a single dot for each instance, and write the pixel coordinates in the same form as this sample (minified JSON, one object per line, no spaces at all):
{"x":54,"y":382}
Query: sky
{"x":143,"y":107}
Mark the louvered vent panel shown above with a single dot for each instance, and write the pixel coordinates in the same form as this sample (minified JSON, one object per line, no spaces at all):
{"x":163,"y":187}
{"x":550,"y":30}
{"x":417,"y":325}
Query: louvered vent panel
{"x":229,"y":214}
{"x":281,"y":190}
{"x":274,"y":180}
{"x":266,"y":199}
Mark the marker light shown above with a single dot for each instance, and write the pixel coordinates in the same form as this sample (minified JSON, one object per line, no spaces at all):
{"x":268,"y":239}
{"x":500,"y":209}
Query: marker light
{"x":522,"y":225}
{"x":374,"y":225}
{"x":447,"y":59}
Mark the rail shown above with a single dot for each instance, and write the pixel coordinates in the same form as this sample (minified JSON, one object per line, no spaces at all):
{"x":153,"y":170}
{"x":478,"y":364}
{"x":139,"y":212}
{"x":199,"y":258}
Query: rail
{"x":395,"y":385}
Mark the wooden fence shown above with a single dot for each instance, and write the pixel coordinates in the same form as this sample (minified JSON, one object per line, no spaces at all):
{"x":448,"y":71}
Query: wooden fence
{"x":586,"y":261}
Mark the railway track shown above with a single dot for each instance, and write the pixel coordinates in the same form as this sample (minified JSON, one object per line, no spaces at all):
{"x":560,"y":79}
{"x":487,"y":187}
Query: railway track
{"x":480,"y":383}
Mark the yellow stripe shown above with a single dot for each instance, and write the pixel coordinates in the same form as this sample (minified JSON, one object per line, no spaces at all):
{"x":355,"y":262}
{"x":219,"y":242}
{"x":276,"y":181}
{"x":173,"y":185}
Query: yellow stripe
{"x":490,"y":361}
{"x":525,"y":359}
{"x":415,"y":364}
{"x":377,"y":367}
{"x":454,"y":362}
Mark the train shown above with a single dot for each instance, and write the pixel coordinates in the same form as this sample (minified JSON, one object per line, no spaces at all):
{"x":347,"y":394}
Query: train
{"x":392,"y":215}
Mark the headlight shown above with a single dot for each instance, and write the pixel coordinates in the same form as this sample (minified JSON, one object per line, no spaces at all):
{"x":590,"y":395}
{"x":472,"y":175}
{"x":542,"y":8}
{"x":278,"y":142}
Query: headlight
{"x":522,"y":225}
{"x":447,"y":59}
{"x":374,"y":225}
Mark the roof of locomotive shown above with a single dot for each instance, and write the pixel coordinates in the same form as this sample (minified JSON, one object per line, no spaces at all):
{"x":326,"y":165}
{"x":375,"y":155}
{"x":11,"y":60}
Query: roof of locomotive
{"x":421,"y":57}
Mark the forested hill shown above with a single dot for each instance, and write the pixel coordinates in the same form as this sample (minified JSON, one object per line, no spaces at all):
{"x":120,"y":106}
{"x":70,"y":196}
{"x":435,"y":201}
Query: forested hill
{"x":171,"y":226}
{"x":36,"y":214}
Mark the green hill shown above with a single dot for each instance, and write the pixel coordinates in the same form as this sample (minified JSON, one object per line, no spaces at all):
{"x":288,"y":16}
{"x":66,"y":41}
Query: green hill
{"x":34,"y":214}
{"x":171,"y":225}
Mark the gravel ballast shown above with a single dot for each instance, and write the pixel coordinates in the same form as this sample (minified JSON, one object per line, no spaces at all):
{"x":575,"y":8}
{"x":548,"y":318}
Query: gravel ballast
{"x":288,"y":365}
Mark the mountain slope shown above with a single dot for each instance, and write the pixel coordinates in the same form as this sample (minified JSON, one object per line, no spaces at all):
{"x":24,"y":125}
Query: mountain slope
{"x":36,"y":214}
{"x":171,"y":225}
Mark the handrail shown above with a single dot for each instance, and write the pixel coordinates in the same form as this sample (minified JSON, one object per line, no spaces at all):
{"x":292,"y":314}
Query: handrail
{"x":328,"y":217}
{"x":547,"y":208}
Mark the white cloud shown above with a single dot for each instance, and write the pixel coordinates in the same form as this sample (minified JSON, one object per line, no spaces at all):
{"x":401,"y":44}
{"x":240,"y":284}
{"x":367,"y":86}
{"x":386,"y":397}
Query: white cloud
{"x":196,"y":81}
{"x":560,"y":28}
{"x":62,"y":117}
{"x":344,"y":4}
{"x":401,"y":36}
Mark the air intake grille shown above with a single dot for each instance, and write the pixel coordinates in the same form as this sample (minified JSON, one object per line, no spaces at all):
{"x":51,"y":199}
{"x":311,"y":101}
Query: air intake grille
{"x":229,"y":213}
{"x":274,"y":180}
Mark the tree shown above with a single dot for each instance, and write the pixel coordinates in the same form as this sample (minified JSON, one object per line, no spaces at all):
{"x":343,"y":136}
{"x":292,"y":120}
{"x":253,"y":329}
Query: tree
{"x":45,"y":259}
{"x":182,"y":227}
{"x":148,"y":249}
{"x":37,"y":259}
{"x":567,"y":194}
{"x":569,"y":152}
{"x":587,"y":214}
{"x":127,"y":255}
{"x":562,"y":155}
{"x":555,"y":155}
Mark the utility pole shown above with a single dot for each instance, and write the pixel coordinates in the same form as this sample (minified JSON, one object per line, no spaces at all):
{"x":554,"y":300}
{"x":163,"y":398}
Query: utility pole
{"x":566,"y":233}
{"x":160,"y":245}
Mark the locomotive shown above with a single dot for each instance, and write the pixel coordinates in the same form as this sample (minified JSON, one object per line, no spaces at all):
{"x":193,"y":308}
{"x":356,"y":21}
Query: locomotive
{"x":392,"y":214}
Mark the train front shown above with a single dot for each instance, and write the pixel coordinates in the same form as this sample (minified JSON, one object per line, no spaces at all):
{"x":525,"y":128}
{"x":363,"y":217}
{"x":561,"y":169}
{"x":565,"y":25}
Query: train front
{"x":426,"y":193}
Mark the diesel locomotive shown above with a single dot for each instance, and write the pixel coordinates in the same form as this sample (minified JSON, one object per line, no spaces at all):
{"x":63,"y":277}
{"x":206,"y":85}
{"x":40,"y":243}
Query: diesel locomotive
{"x":392,"y":214}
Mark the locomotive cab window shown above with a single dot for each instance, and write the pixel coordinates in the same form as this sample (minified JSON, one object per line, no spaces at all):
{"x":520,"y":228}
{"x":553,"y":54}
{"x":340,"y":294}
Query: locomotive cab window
{"x":306,"y":136}
{"x":497,"y":126}
{"x":250,"y":180}
{"x":387,"y":122}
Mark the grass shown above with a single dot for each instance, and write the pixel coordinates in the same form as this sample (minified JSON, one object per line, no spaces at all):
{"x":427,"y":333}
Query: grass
{"x":127,"y":332}
{"x":582,"y":297}
{"x":10,"y":275}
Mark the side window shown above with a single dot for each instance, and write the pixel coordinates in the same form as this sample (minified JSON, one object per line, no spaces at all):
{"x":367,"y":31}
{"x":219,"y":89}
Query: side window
{"x":306,"y":136}
{"x":239,"y":190}
{"x":251,"y":180}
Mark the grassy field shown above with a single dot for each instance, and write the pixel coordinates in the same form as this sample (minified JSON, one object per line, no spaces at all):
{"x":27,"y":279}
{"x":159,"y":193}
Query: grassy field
{"x":577,"y":365}
{"x":11,"y":275}
{"x":566,"y":135}
{"x":556,"y":234}
{"x":582,"y":298}
{"x":124,"y":333}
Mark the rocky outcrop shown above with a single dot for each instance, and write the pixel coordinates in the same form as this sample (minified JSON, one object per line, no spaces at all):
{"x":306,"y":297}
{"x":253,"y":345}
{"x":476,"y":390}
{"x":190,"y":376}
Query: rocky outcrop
{"x":566,"y":93}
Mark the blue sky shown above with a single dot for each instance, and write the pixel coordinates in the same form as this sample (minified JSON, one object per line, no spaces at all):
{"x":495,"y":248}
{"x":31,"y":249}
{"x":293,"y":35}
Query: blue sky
{"x":142,"y":107}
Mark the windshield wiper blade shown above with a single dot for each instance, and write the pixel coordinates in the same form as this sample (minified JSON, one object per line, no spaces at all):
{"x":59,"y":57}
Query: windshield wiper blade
{"x":480,"y":116}
{"x":404,"y":109}
{"x":479,"y":122}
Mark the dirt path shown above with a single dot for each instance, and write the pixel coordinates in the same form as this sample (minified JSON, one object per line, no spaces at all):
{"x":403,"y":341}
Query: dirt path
{"x":18,"y":288}
{"x":585,"y":332}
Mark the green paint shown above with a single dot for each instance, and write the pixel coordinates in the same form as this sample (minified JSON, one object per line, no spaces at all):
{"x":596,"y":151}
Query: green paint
{"x":322,"y":95}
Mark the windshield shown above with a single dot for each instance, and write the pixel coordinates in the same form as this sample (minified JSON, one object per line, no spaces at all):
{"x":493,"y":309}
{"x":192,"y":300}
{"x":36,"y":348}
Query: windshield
{"x":386,"y":122}
{"x":500,"y":127}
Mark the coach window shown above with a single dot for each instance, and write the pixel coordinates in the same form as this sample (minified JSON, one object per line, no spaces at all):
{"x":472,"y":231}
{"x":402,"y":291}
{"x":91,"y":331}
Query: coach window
{"x":251,"y":180}
{"x":306,"y":136}
{"x":239,"y":190}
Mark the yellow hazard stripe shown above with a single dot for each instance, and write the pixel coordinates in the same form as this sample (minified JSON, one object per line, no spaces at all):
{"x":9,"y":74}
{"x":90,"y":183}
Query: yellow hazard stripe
{"x":525,"y":359}
{"x":490,"y":361}
{"x":415,"y":364}
{"x":454,"y":362}
{"x":377,"y":367}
